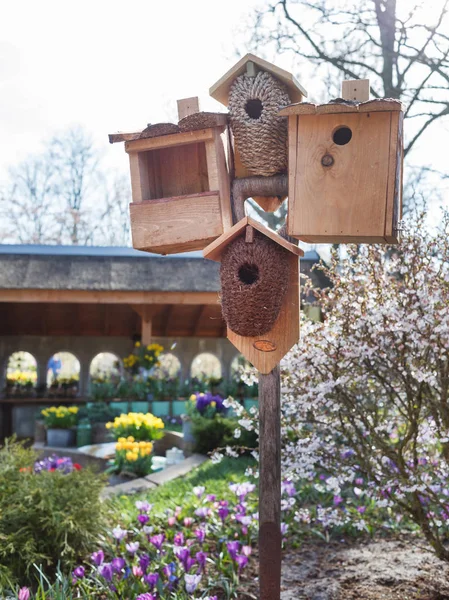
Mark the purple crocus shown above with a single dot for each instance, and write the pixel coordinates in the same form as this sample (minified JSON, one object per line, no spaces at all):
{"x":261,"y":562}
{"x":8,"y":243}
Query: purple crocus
{"x":247,"y":550}
{"x":143,"y":519}
{"x":144,"y":562}
{"x":203,"y":512}
{"x":200,"y":534}
{"x":183,"y":554}
{"x":337,"y":500}
{"x":119,"y":533}
{"x":151,"y":579}
{"x":78,"y":573}
{"x":223,"y":512}
{"x":201,"y":558}
{"x":192,"y":582}
{"x":118,"y":564}
{"x":24,"y":594}
{"x":106,"y":571}
{"x":146,"y":596}
{"x":137,"y":571}
{"x":143,"y":506}
{"x":178,"y":539}
{"x":211,"y":497}
{"x":132,"y":547}
{"x":98,"y":557}
{"x":241,"y":561}
{"x":233,"y":548}
{"x":157,"y":540}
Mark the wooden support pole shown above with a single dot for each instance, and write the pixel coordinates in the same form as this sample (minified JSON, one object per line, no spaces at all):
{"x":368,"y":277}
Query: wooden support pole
{"x":270,"y":540}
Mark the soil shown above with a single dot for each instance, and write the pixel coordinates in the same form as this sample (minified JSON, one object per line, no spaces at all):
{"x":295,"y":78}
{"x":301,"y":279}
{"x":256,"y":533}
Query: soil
{"x":382,"y":569}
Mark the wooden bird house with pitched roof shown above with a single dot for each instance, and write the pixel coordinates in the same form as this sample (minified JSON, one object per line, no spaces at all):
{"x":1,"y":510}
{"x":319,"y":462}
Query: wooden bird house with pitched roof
{"x":345,"y":168}
{"x":259,"y":291}
{"x":180,"y":182}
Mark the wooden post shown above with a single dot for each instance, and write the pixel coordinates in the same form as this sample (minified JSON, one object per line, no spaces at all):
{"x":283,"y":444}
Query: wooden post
{"x":270,"y":540}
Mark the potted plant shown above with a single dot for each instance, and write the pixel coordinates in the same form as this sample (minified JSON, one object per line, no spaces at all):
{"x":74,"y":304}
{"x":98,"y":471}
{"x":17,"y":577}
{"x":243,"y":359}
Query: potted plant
{"x":60,"y":422}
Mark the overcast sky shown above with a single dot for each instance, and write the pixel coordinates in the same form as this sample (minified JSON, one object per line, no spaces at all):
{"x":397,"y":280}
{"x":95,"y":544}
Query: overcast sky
{"x":118,"y":65}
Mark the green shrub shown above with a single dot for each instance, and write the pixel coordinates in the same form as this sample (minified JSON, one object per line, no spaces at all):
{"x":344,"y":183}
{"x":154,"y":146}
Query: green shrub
{"x":219,"y":432}
{"x":46,"y":518}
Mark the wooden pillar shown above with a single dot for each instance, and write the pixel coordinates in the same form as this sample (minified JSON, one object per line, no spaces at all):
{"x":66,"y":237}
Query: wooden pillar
{"x":270,"y":540}
{"x":146,"y":329}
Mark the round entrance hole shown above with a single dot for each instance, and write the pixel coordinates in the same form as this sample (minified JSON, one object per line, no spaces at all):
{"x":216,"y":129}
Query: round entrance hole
{"x":342,"y":136}
{"x":248,"y":273}
{"x":254,"y":108}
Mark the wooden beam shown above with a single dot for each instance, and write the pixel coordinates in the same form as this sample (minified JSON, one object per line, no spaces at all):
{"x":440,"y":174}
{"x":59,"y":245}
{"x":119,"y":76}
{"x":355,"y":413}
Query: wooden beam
{"x":147,"y":328}
{"x":108,"y":297}
{"x":168,"y":313}
{"x":198,"y":319}
{"x":167,"y":141}
{"x":355,"y":89}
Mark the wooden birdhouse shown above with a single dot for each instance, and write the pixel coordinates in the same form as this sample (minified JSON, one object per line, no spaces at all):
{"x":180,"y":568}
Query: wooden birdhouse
{"x":259,"y":291}
{"x":180,"y":182}
{"x":254,"y":91}
{"x":345,"y":168}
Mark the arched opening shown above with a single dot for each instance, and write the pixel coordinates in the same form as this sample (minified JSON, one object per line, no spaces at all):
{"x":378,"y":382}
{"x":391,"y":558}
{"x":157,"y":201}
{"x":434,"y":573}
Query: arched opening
{"x":205,"y":372}
{"x":21,"y":374}
{"x":63,"y":375}
{"x":104,"y":376}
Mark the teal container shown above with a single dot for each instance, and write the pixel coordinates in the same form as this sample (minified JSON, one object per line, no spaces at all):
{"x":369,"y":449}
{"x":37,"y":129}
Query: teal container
{"x":120,"y":407}
{"x":250,"y":402}
{"x":83,"y":434}
{"x":179,"y":407}
{"x":139,"y":407}
{"x":160,"y":408}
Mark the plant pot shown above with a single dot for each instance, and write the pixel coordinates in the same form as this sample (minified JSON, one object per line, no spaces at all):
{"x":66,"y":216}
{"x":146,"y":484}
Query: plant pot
{"x":101,"y":435}
{"x":61,"y":438}
{"x":39,"y":431}
{"x":187,"y":431}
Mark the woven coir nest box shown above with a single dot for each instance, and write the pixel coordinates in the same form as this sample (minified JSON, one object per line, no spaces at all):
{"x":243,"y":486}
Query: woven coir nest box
{"x":345,"y":180}
{"x":180,"y":182}
{"x":259,"y":291}
{"x":254,"y":91}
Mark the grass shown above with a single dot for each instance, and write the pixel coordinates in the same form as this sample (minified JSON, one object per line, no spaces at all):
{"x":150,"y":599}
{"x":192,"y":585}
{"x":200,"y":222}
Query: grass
{"x":215,"y":477}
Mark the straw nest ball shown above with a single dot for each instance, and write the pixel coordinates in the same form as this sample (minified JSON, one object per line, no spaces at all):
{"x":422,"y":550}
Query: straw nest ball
{"x":254,"y":280}
{"x":260,"y":133}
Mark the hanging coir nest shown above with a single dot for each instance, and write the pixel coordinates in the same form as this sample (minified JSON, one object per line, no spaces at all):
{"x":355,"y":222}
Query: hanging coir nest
{"x":254,"y":280}
{"x":260,"y":133}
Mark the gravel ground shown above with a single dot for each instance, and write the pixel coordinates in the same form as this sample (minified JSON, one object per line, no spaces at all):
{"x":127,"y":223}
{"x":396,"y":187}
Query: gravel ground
{"x":399,"y":569}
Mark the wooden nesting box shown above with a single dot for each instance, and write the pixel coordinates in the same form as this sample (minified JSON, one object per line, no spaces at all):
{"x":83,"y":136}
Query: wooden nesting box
{"x":180,"y":182}
{"x":266,"y":350}
{"x":254,"y":91}
{"x":345,"y":171}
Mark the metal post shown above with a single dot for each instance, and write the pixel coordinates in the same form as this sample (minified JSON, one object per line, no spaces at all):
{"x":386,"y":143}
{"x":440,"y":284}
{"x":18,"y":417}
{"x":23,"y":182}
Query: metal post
{"x":270,"y":540}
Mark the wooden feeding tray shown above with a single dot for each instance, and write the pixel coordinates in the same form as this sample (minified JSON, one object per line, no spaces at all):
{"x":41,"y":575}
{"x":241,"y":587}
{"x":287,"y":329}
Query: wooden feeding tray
{"x":180,"y":182}
{"x":345,"y":171}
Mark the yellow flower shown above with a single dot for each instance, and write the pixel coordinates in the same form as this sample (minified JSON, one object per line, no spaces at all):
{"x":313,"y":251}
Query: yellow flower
{"x":213,"y":404}
{"x":137,"y":344}
{"x":109,"y":425}
{"x":131,"y":456}
{"x":193,"y":398}
{"x":130,"y":438}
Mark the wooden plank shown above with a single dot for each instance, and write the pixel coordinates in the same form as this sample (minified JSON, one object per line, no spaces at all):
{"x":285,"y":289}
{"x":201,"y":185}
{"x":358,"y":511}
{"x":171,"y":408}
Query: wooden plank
{"x":216,"y":248}
{"x":376,"y":105}
{"x":147,"y":328}
{"x":203,"y":120}
{"x":284,"y":334}
{"x":224,"y":184}
{"x":168,"y":313}
{"x":172,"y":225}
{"x":139,"y":177}
{"x":197,"y":321}
{"x":347,"y":198}
{"x":336,"y":108}
{"x":220,"y":89}
{"x":107,"y":297}
{"x":249,"y":234}
{"x":292,"y":154}
{"x":167,"y":141}
{"x":381,"y":105}
{"x":270,"y":539}
{"x":355,"y":89}
{"x":299,"y":108}
{"x":394,"y":190}
{"x":212,"y":167}
{"x":188,"y":106}
{"x":150,"y":131}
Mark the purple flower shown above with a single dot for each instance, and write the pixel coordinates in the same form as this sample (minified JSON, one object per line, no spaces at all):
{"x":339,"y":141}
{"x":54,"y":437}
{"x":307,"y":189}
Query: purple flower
{"x":146,"y":596}
{"x":200,"y":534}
{"x":201,"y":558}
{"x":137,"y":571}
{"x":284,"y":528}
{"x":337,"y":500}
{"x":242,"y":489}
{"x":98,"y":557}
{"x":143,"y":519}
{"x":78,"y":573}
{"x":132,"y":547}
{"x":143,"y":506}
{"x":288,"y":488}
{"x":119,"y":533}
{"x":118,"y":564}
{"x":158,"y":540}
{"x":233,"y":548}
{"x":178,"y":539}
{"x":199,"y":490}
{"x":211,"y":497}
{"x":183,"y":554}
{"x":241,"y":561}
{"x":192,"y":582}
{"x":188,"y":522}
{"x":203,"y":512}
{"x":223,"y":512}
{"x":151,"y":579}
{"x":361,"y":509}
{"x":106,"y":571}
{"x":24,"y":594}
{"x":247,"y":550}
{"x":144,"y":562}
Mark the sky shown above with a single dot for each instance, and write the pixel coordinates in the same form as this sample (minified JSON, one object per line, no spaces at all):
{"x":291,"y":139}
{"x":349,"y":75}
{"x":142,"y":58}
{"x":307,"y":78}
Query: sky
{"x":117,"y":66}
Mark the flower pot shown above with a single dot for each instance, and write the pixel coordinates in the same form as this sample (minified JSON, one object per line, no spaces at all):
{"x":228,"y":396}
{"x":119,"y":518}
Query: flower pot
{"x":61,"y":438}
